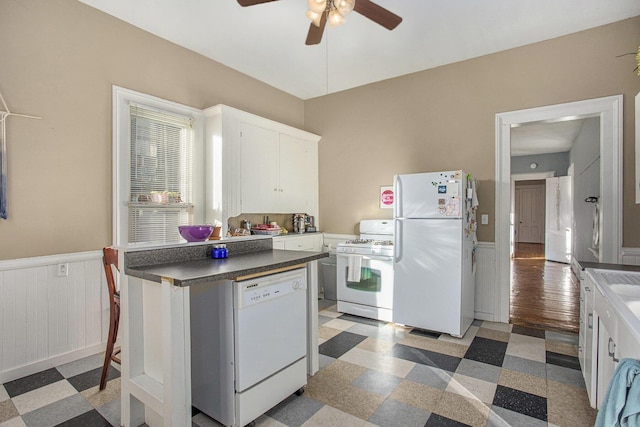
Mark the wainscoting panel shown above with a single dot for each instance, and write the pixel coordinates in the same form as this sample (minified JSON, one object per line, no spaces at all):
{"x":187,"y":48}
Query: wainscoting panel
{"x":47,"y":318}
{"x":486,"y":281}
{"x":631,"y":256}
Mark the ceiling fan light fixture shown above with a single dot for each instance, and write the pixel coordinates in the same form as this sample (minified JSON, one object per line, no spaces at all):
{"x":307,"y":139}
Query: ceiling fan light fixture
{"x":335,"y":18}
{"x":344,"y":6}
{"x":317,"y":6}
{"x":315,"y":17}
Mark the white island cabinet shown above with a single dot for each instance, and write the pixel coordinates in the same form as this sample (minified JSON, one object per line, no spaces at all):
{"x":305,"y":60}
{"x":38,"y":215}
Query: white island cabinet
{"x":155,"y":332}
{"x":257,"y":165}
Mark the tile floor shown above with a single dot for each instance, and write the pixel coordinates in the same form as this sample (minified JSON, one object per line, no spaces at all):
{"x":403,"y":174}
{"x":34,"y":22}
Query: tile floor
{"x":372,"y":374}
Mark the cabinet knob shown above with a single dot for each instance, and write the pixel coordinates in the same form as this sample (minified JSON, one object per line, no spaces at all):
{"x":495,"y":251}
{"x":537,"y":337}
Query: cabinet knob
{"x":590,"y":321}
{"x":587,"y":289}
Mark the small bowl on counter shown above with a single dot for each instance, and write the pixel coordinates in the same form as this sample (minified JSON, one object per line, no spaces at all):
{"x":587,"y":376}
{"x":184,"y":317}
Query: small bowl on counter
{"x":195,"y":233}
{"x":265,"y":230}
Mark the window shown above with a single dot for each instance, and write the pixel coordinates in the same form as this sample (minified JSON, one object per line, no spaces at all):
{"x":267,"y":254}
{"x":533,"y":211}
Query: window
{"x":155,"y":148}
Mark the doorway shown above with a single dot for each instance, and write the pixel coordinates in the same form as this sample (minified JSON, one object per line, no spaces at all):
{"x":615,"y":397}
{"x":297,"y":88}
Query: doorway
{"x":609,"y":112}
{"x":529,"y":203}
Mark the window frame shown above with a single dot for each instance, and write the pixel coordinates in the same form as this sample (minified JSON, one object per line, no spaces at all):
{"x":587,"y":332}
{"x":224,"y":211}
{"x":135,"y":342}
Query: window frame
{"x":122,"y":98}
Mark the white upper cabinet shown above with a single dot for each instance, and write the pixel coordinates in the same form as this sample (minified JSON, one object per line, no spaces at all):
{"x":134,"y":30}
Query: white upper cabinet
{"x":256,"y":165}
{"x":260,"y":165}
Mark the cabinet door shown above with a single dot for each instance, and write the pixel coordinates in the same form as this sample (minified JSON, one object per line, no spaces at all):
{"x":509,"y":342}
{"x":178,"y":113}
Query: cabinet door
{"x":590,"y":346}
{"x":260,"y":190}
{"x":606,"y":362}
{"x":627,"y":344}
{"x":298,"y":174}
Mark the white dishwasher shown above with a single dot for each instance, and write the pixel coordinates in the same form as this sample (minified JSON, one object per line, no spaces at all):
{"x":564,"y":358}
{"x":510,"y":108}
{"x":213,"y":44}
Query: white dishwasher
{"x":249,"y":345}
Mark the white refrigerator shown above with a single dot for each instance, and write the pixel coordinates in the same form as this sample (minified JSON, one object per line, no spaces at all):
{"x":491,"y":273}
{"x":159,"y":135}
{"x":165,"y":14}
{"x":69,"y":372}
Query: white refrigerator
{"x":434,"y":251}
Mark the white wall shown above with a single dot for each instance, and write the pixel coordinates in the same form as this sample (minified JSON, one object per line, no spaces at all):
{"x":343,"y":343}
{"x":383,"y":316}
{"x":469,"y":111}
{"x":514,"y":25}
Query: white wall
{"x":585,"y":155}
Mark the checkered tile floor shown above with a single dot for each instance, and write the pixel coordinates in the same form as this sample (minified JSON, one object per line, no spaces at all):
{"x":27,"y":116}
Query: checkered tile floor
{"x":372,"y":374}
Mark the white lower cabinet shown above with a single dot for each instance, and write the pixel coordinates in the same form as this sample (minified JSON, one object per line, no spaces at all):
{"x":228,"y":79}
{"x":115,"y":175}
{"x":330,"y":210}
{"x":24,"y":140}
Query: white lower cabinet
{"x":303,"y":242}
{"x":586,"y":348}
{"x":610,"y":340}
{"x":607,"y":354}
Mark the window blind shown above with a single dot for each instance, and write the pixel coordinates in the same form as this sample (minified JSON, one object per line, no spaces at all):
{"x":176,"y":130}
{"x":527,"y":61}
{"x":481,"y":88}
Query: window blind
{"x":161,"y":158}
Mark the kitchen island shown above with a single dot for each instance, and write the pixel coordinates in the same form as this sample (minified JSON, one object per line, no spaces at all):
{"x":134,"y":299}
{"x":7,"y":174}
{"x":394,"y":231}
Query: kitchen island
{"x":155,"y":320}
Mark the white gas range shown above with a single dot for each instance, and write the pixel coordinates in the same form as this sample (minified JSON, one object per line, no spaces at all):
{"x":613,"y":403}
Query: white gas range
{"x":365,"y":271}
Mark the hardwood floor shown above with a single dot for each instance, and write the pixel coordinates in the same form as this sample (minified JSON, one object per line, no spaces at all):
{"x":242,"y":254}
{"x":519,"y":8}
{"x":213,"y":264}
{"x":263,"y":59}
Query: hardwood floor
{"x":544,"y":294}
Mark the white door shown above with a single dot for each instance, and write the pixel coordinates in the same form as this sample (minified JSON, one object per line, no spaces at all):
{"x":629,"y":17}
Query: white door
{"x":558,"y":219}
{"x":530,"y":213}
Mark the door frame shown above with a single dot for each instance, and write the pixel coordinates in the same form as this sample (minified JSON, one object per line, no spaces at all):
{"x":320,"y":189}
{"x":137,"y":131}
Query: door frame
{"x":609,"y":110}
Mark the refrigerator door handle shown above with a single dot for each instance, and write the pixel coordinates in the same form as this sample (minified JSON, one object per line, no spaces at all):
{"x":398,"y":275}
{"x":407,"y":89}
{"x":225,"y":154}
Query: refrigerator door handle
{"x":397,"y":253}
{"x":397,"y":206}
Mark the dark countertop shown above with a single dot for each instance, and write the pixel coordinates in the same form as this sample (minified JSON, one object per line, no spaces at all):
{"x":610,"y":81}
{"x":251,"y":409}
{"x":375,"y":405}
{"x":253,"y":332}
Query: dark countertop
{"x":191,"y":272}
{"x":603,"y":266}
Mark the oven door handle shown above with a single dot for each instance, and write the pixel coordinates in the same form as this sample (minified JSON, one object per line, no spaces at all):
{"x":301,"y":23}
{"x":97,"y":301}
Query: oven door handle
{"x":397,"y":233}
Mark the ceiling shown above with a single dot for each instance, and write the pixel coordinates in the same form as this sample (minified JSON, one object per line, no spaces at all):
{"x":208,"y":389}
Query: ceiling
{"x":544,"y":138}
{"x":267,"y":41}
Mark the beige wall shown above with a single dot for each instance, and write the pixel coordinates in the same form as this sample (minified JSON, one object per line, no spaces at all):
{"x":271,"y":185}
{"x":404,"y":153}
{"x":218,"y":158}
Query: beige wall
{"x":445,"y":118}
{"x":59,"y":60}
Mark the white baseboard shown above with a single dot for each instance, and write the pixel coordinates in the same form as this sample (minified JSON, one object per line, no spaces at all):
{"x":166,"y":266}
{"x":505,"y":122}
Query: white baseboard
{"x":49,"y":363}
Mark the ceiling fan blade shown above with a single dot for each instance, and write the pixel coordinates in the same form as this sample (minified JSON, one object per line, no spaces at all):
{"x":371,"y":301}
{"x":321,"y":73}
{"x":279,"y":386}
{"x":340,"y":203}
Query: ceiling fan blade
{"x":377,"y":14}
{"x":245,"y":3}
{"x":314,"y":36}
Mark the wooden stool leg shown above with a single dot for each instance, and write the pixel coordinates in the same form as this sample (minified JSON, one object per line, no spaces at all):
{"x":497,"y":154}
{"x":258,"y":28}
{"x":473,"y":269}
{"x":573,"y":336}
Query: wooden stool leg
{"x":110,"y":343}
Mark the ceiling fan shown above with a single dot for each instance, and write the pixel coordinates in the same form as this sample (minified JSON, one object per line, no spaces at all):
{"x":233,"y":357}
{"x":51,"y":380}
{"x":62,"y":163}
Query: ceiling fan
{"x":321,"y":11}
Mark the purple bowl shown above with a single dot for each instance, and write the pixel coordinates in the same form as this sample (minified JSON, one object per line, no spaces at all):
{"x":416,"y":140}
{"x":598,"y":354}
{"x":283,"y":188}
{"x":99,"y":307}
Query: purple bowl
{"x":195,"y":233}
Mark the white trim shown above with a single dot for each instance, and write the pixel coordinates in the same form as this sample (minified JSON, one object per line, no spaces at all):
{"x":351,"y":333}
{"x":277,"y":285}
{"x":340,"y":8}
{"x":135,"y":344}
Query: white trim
{"x":532,"y":176}
{"x":16,"y":264}
{"x":630,"y":256}
{"x":485,"y":282}
{"x":630,"y":252}
{"x":121,"y":128}
{"x":52,"y":362}
{"x":609,"y":109}
{"x":637,"y":123}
